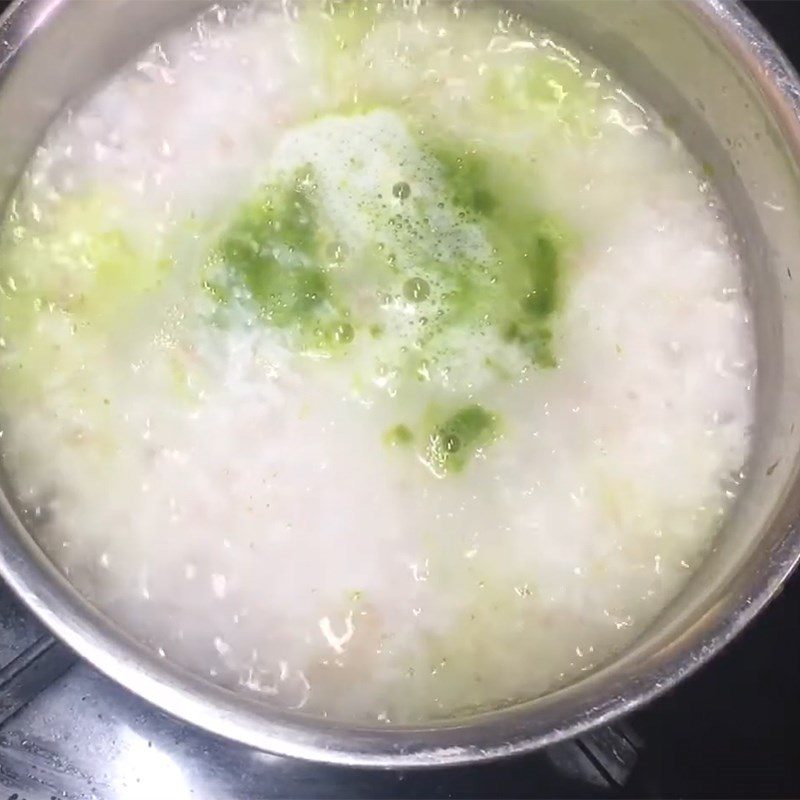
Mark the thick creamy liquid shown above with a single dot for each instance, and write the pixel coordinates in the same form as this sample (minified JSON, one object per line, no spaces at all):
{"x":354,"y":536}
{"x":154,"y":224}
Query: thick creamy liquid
{"x":395,"y":369}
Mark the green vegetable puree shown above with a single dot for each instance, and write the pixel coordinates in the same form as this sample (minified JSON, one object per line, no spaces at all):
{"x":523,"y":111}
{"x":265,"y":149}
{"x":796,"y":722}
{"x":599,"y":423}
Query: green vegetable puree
{"x":381,"y":235}
{"x":372,"y":241}
{"x":456,"y":439}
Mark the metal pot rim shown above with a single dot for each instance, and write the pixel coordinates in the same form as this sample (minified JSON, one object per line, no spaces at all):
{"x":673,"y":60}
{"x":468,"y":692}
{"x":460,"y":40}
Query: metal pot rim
{"x":491,"y":735}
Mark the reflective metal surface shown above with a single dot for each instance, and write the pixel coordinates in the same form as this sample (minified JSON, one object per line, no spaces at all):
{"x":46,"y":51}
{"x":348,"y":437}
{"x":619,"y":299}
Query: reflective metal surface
{"x":125,"y":750}
{"x":727,"y":90}
{"x":79,"y":736}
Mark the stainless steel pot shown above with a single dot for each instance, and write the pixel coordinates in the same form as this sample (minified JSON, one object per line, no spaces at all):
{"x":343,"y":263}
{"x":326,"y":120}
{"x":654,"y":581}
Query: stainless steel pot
{"x":725,"y":87}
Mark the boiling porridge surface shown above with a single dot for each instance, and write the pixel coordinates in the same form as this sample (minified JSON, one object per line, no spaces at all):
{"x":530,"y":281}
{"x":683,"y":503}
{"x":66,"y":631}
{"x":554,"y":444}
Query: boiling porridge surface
{"x":384,"y":361}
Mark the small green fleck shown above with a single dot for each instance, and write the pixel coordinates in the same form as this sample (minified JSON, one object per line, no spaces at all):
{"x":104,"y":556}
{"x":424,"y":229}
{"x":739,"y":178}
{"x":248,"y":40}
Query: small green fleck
{"x":452,"y":443}
{"x":343,"y":333}
{"x":416,"y":290}
{"x":401,"y":190}
{"x":466,"y":175}
{"x":542,"y":262}
{"x":399,"y":435}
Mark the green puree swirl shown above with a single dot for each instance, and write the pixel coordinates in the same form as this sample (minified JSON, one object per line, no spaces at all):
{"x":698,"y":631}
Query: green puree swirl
{"x":529,"y":246}
{"x":444,"y":222}
{"x":276,"y":250}
{"x":443,"y":227}
{"x":454,"y":238}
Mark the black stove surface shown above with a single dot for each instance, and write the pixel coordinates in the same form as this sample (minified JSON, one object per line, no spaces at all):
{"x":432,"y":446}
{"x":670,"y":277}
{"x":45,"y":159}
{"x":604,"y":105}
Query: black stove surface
{"x":727,"y":731}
